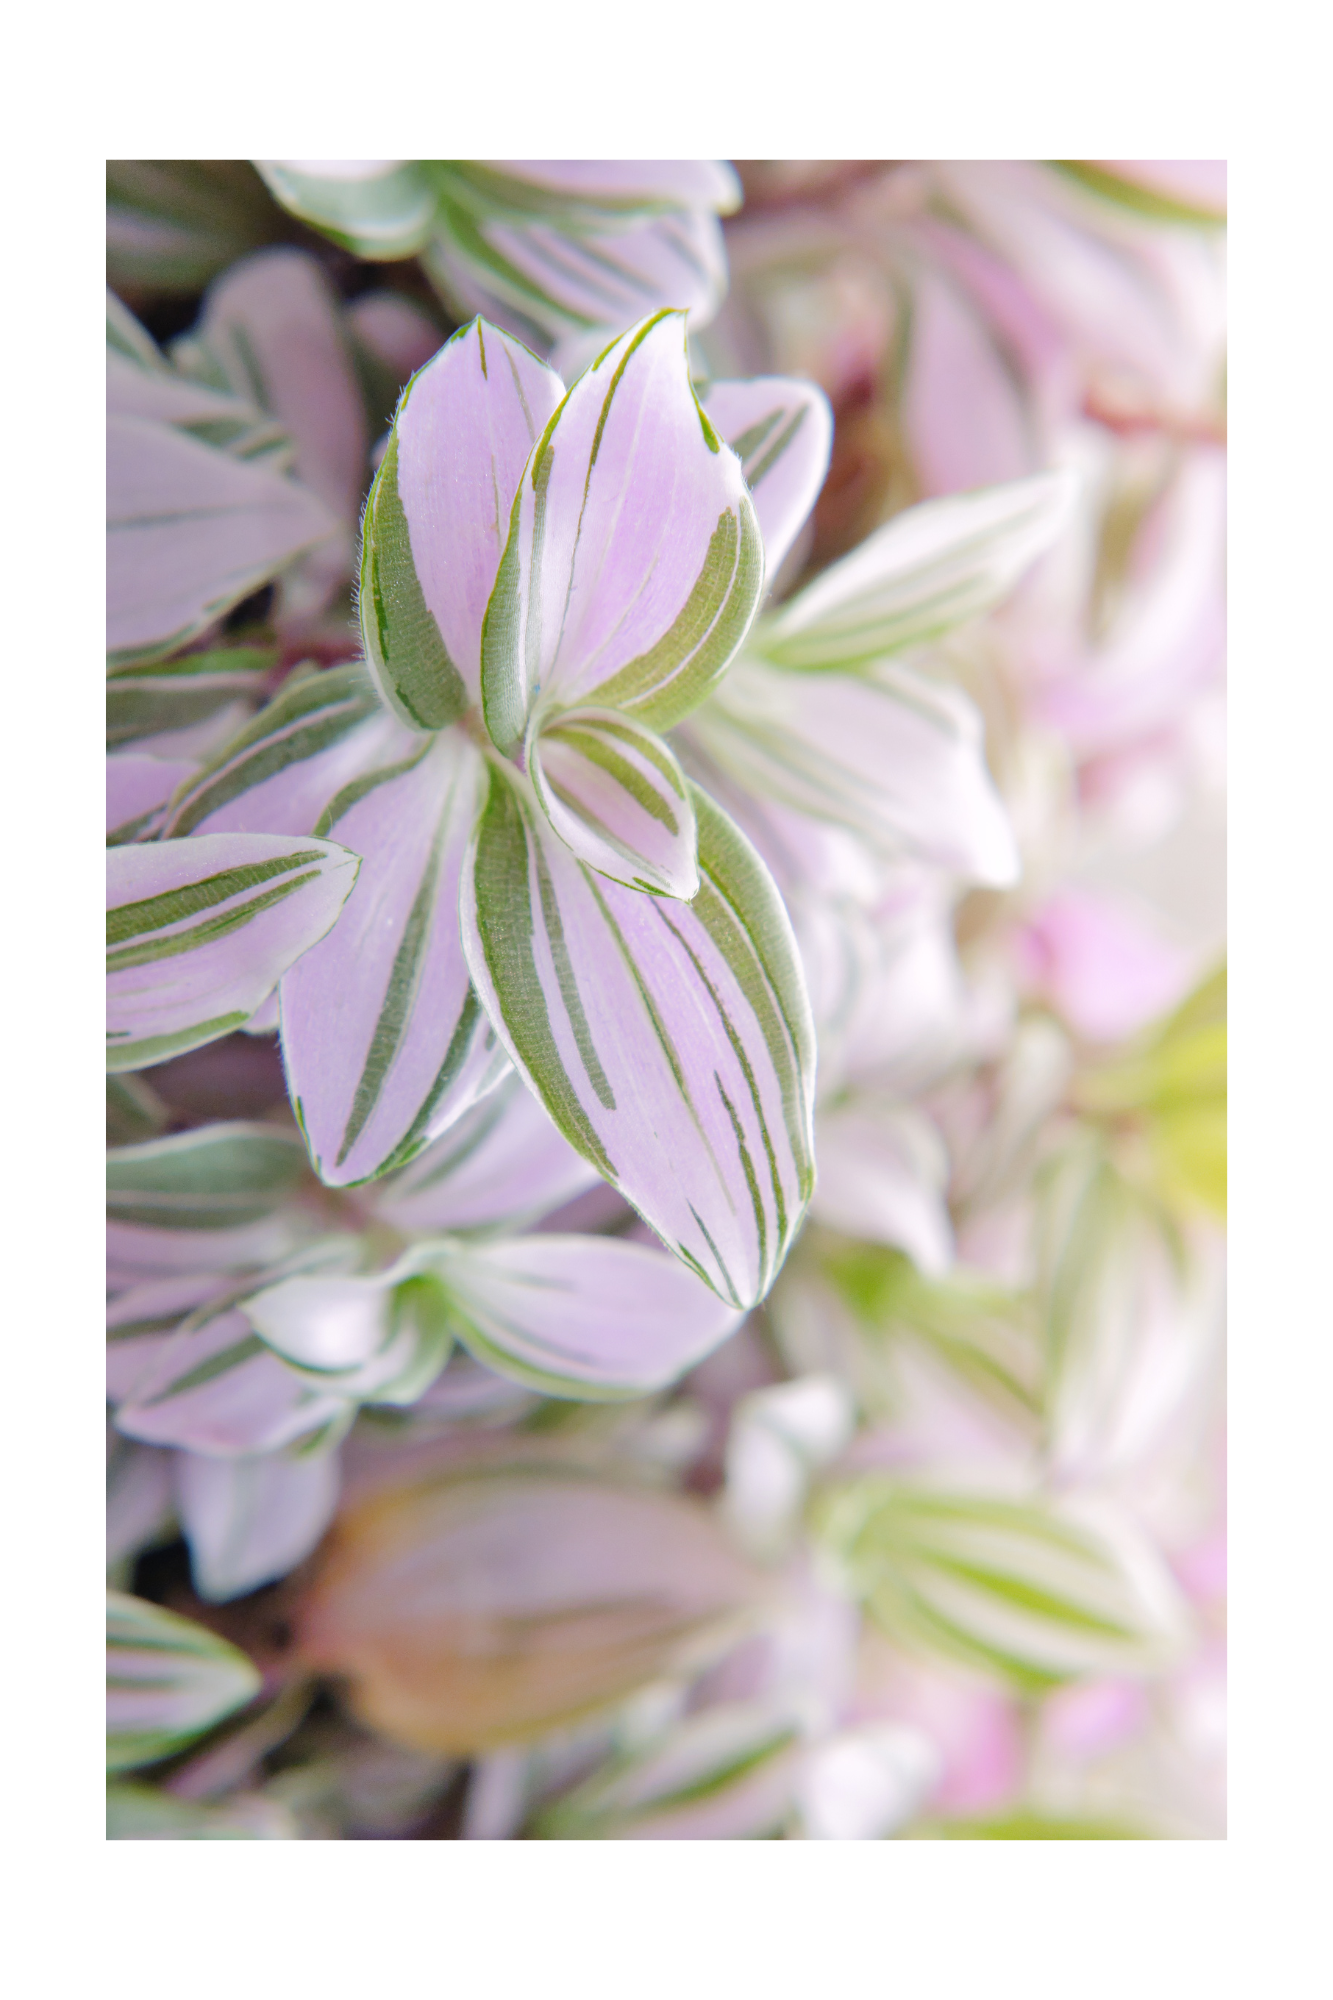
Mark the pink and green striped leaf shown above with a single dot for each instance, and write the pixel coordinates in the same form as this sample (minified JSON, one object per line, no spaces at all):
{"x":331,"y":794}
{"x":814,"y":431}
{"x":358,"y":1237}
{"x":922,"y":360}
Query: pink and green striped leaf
{"x":438,"y":517}
{"x":781,"y":430}
{"x":319,"y":733}
{"x":200,"y":931}
{"x":378,"y":209}
{"x":167,"y":1681}
{"x":584,"y":1317}
{"x":384,"y":1042}
{"x":634,"y":561}
{"x":615,"y":794}
{"x":503,"y":1162}
{"x":378,"y":1339}
{"x":670,"y":1042}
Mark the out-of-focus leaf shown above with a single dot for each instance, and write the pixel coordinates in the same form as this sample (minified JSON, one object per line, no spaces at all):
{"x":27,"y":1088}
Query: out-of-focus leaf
{"x":139,"y":1812}
{"x":585,"y":1317}
{"x":894,"y":757}
{"x":432,"y":546}
{"x":725,"y":1774}
{"x":134,"y":1111}
{"x":200,"y":931}
{"x":985,"y":1334}
{"x":140,"y":1319}
{"x":670,"y":1042}
{"x":491,"y":1607}
{"x":248,"y":1520}
{"x":1141,"y":198}
{"x":167,"y":1680}
{"x":180,"y":693}
{"x":137,"y":790}
{"x":1034,"y":1826}
{"x":215,"y":1177}
{"x":190,"y":532}
{"x":214,"y":1387}
{"x":615,"y":794}
{"x":634,"y":561}
{"x":380,"y":209}
{"x":277,"y":774}
{"x":883,"y":1170}
{"x":927,"y":570}
{"x":1175,"y":1082}
{"x":384,"y":1041}
{"x":503,"y":1162}
{"x":1022,"y":1589}
{"x":782,"y":432}
{"x":171,"y":224}
{"x":380,"y":1339}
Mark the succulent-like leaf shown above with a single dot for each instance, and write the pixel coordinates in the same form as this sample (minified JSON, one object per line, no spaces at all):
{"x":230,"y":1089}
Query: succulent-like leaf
{"x":671,"y":1043}
{"x":583,"y":1316}
{"x":1020,"y":1588}
{"x":249,"y":1520}
{"x":924,"y":572}
{"x":634,"y":561}
{"x":200,"y":931}
{"x":502,"y":1162}
{"x":895,"y":757}
{"x":438,"y":517}
{"x":190,"y":532}
{"x":167,"y":1680}
{"x":384,"y":1041}
{"x":615,"y":794}
{"x":781,"y":430}
{"x":321,"y":731}
{"x":380,"y":209}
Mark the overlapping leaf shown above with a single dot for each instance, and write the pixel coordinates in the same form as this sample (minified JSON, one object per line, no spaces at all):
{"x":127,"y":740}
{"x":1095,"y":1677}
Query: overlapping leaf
{"x":1018,"y":1588}
{"x":926,"y":571}
{"x":618,"y":799}
{"x":438,"y":517}
{"x":200,"y":931}
{"x":634,"y":561}
{"x":381,"y":1339}
{"x":384,"y":1041}
{"x":782,"y":432}
{"x":374,"y":208}
{"x":321,"y":731}
{"x":671,"y":1043}
{"x":212,"y":691}
{"x":896,"y":758}
{"x":248,"y":1520}
{"x":190,"y":532}
{"x":582,"y":1316}
{"x":503,"y":1162}
{"x":167,"y":1680}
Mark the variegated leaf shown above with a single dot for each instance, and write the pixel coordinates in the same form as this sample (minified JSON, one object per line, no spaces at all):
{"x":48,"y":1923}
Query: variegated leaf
{"x":249,"y":1520}
{"x":167,"y":1680}
{"x":671,"y":1043}
{"x":139,"y":1321}
{"x":1025,"y":1589}
{"x":137,"y":790}
{"x":895,"y":757}
{"x":634,"y":561}
{"x":200,"y":931}
{"x":438,"y":516}
{"x":503,"y":1162}
{"x":179,"y":697}
{"x":190,"y":532}
{"x":615,"y":794}
{"x":379,"y":209}
{"x":321,"y":731}
{"x":924,"y":572}
{"x":384,"y":1041}
{"x":378,"y":1339}
{"x":214,"y":1177}
{"x":215,"y":1387}
{"x":781,"y":430}
{"x":586,"y":1317}
{"x":725,"y":1773}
